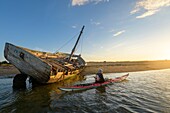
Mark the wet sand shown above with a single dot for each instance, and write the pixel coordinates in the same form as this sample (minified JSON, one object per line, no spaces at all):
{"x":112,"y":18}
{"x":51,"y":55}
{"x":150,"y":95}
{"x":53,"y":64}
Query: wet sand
{"x":108,"y":67}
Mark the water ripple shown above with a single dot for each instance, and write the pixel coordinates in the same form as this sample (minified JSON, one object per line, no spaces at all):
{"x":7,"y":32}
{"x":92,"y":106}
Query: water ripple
{"x":142,"y":92}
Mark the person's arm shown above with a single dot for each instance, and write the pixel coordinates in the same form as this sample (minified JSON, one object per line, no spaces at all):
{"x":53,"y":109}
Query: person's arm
{"x":94,"y":77}
{"x":97,"y":77}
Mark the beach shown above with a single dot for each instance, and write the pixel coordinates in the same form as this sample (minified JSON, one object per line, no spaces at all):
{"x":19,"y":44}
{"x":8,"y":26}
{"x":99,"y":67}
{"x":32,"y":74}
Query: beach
{"x":8,"y":70}
{"x":125,"y":66}
{"x":108,"y":67}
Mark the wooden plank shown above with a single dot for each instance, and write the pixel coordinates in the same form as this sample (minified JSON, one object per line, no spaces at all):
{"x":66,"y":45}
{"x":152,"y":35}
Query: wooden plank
{"x":27,"y":63}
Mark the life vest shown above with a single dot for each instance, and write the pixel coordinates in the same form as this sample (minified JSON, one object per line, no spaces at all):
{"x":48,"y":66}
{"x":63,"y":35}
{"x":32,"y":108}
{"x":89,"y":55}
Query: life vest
{"x":101,"y":79}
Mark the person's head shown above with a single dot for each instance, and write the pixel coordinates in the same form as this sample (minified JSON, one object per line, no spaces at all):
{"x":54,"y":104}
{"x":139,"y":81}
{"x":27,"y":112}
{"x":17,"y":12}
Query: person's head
{"x":100,"y":71}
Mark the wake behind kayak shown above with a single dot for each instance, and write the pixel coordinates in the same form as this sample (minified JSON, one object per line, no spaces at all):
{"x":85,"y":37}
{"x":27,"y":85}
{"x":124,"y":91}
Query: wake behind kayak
{"x":80,"y":87}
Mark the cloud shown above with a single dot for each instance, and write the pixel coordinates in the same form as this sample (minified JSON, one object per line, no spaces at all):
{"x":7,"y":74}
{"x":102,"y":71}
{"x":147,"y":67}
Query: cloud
{"x":148,"y":13}
{"x":83,"y":2}
{"x":119,"y":33}
{"x":150,"y":7}
{"x":74,"y":26}
{"x":94,"y":22}
{"x":79,"y":2}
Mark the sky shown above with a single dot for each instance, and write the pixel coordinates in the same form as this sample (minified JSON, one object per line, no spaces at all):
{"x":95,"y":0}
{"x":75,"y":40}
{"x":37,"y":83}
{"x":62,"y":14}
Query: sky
{"x":115,"y":30}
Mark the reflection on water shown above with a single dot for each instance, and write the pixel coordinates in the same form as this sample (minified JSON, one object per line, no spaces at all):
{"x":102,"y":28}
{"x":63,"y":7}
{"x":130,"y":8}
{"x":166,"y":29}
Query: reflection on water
{"x":146,"y":91}
{"x":101,"y":89}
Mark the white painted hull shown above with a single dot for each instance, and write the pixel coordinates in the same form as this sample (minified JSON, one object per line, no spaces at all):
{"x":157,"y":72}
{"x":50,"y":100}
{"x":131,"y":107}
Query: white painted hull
{"x":41,"y":66}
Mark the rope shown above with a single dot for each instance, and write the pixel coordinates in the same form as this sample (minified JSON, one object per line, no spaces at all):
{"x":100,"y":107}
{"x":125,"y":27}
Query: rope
{"x":82,"y":45}
{"x":81,"y":48}
{"x":66,"y":43}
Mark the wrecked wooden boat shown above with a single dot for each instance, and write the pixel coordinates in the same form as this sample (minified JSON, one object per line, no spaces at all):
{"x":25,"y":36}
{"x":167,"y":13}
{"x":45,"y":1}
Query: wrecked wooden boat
{"x":45,"y":67}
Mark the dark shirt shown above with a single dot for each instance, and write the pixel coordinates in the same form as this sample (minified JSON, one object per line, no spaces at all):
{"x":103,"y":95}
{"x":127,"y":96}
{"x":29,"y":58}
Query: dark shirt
{"x":101,"y":78}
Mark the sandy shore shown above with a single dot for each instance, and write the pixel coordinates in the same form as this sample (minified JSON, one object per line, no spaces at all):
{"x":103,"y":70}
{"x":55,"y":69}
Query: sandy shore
{"x":8,"y":70}
{"x":108,"y":67}
{"x":116,"y":67}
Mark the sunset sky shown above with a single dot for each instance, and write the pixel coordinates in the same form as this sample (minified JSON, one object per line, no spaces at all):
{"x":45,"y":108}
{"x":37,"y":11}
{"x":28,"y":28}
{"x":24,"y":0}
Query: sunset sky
{"x":115,"y":30}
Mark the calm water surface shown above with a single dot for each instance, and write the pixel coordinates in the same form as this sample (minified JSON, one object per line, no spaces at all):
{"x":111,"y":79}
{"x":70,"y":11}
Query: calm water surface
{"x":145,"y":92}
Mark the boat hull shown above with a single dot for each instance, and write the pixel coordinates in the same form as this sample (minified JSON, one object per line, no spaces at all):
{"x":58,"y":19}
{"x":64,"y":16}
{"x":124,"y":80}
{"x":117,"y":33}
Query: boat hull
{"x":38,"y":65}
{"x":27,"y":63}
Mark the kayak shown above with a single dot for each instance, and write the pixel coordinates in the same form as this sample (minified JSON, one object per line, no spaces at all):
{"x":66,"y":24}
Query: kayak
{"x":80,"y":87}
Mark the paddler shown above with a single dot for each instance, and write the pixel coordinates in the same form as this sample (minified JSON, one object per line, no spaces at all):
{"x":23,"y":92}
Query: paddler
{"x":99,"y":76}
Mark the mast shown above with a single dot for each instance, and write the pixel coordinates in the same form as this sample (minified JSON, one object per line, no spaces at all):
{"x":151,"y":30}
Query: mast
{"x":76,"y":43}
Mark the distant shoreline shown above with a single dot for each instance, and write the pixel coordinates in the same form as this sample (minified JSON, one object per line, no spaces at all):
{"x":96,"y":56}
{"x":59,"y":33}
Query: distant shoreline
{"x":126,"y":66}
{"x":8,"y":70}
{"x":108,"y":67}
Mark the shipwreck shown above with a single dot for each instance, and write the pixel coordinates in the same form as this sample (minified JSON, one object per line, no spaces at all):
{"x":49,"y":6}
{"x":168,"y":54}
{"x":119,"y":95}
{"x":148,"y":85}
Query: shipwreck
{"x":44,"y":67}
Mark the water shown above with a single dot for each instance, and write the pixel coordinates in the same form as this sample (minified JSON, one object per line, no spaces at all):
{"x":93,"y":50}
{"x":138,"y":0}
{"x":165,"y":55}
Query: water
{"x":144,"y":92}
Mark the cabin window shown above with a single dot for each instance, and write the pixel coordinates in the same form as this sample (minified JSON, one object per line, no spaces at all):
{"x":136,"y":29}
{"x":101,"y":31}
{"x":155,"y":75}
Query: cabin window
{"x":21,"y":55}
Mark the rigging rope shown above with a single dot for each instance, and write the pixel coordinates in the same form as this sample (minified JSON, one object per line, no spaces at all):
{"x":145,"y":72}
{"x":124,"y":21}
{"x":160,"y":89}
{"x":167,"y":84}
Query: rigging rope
{"x":80,"y":43}
{"x":66,"y":43}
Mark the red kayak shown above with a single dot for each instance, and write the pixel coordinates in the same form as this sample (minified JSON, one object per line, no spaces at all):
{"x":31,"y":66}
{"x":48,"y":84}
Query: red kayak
{"x":80,"y":87}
